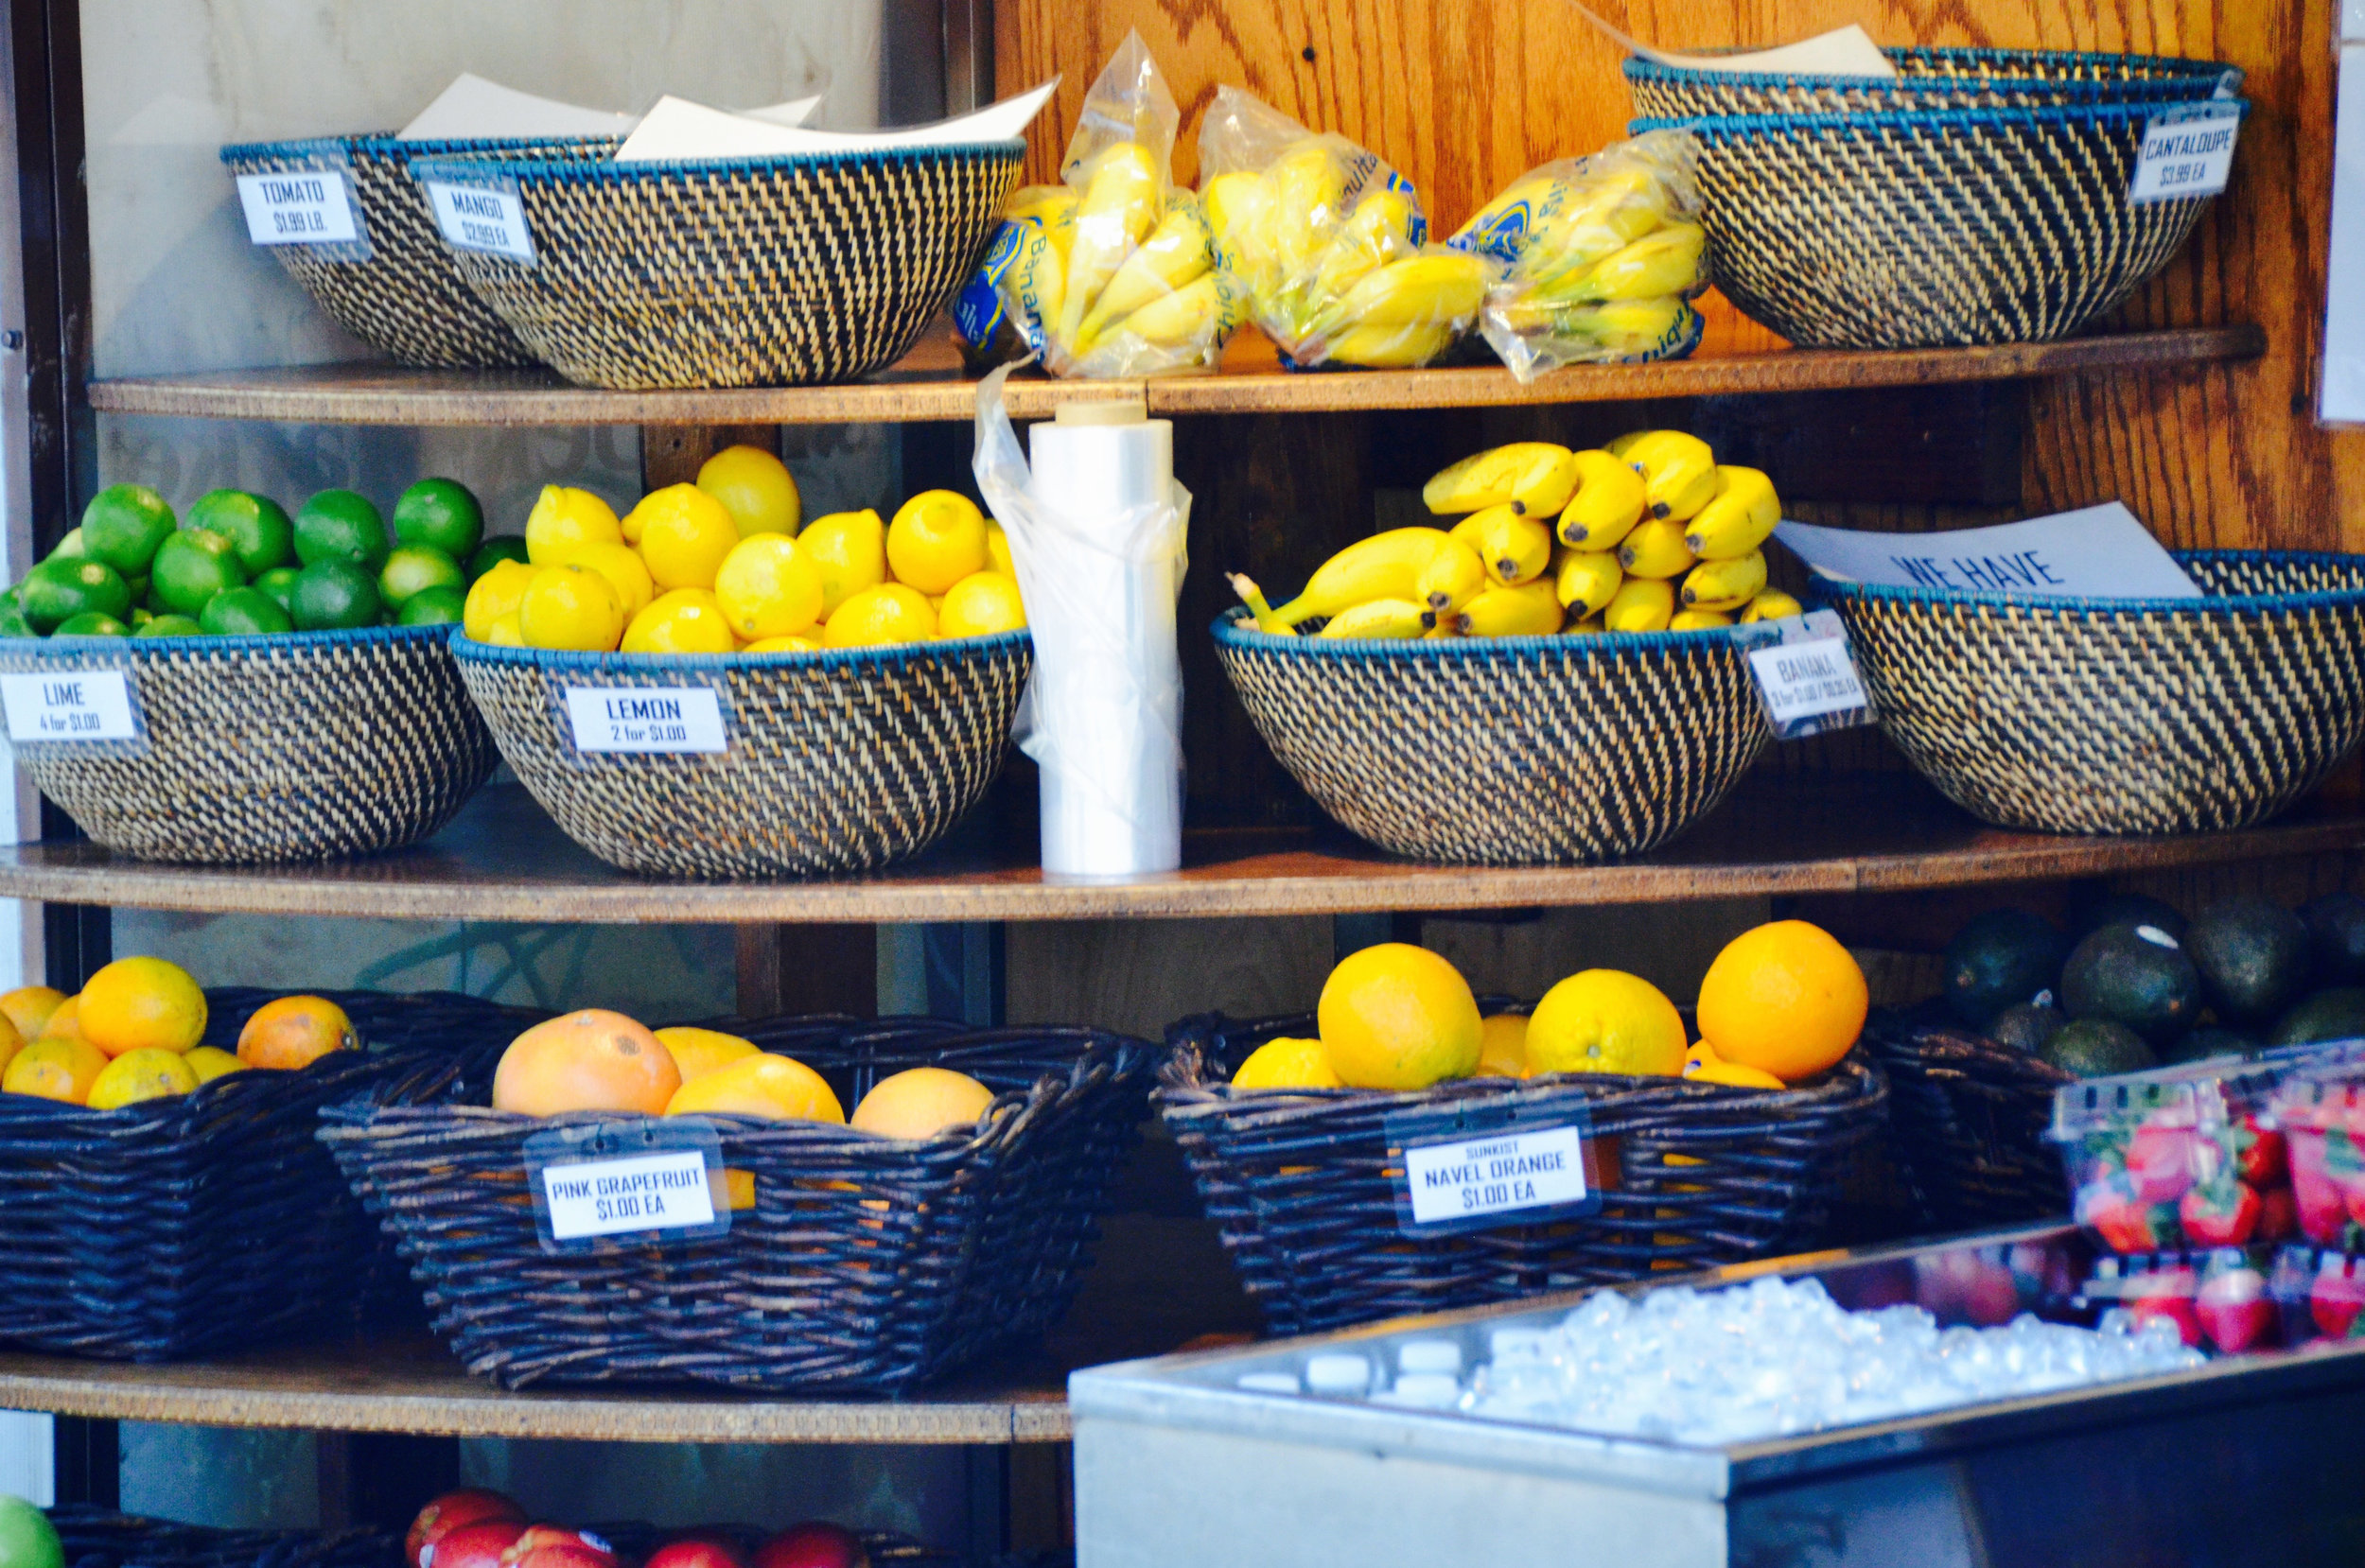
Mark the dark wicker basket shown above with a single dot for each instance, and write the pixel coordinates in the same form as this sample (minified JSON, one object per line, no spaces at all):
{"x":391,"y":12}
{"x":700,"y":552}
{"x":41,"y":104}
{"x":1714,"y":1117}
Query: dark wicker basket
{"x":868,"y":1264}
{"x":1298,"y":1180}
{"x":406,"y":298}
{"x":2123,"y":716}
{"x":838,"y":761}
{"x":178,"y":1227}
{"x":1937,"y":229}
{"x":301,"y":747}
{"x":98,"y":1537}
{"x":1967,"y":1119}
{"x":1503,"y":751}
{"x":1933,"y":79}
{"x":738,"y":273}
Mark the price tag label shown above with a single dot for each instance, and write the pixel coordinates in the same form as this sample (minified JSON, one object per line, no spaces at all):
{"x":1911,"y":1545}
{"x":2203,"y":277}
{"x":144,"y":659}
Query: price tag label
{"x":626,"y":1178}
{"x":646,"y":719}
{"x":1806,"y":677}
{"x":70,"y":704}
{"x":310,"y":207}
{"x":1486,"y":1163}
{"x":2188,"y":150}
{"x":488,"y":219}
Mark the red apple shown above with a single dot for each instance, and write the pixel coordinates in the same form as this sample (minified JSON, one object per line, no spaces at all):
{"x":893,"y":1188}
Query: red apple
{"x":479,"y":1545}
{"x":468,"y":1505}
{"x":815,"y":1544}
{"x":556,"y":1546}
{"x":697,"y":1550}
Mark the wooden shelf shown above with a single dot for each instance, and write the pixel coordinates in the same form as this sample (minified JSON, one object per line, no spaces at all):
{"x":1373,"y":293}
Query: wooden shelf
{"x":504,"y":860}
{"x":929,"y":384}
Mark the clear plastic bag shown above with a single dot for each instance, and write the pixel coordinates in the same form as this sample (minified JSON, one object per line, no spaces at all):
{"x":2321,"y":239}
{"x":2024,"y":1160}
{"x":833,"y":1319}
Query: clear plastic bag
{"x":1328,"y":243}
{"x":1601,"y":258}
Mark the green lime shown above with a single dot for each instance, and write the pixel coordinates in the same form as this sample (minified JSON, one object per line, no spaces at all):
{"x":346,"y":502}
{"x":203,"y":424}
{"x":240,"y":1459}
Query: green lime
{"x":90,"y":623}
{"x":503,"y":546}
{"x":56,"y":591}
{"x":414,"y":568}
{"x":123,"y":525}
{"x":27,"y":1540}
{"x":254,"y":523}
{"x":280,"y":584}
{"x":437,"y":606}
{"x":193,"y":565}
{"x":333,"y":595}
{"x":244,"y":612}
{"x":441,"y":514}
{"x":14,"y":624}
{"x":12,"y":596}
{"x":341,"y":525}
{"x":171,"y":626}
{"x":70,"y":548}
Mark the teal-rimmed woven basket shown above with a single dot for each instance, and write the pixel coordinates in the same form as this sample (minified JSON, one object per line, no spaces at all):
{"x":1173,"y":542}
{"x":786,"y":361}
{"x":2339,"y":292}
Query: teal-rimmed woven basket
{"x":1503,"y":751}
{"x":1933,"y":77}
{"x":304,"y":746}
{"x":736,"y":273}
{"x":405,"y":297}
{"x":1951,"y":228}
{"x":836,"y":762}
{"x":2142,"y":716}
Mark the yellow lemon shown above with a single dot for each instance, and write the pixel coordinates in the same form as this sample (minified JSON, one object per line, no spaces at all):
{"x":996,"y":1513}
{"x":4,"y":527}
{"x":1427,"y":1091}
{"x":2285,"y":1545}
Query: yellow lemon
{"x":564,"y":518}
{"x":137,"y":1075}
{"x":140,"y":1003}
{"x":683,"y":534}
{"x":28,"y":1007}
{"x":783,"y":645}
{"x":1735,"y":1074}
{"x":505,"y":632}
{"x":699,"y":1052}
{"x":684,"y":622}
{"x":998,"y":550}
{"x":1287,"y":1062}
{"x":849,"y":549}
{"x":937,"y":538}
{"x":210,"y":1062}
{"x":767,"y":588}
{"x":1502,"y":1047}
{"x":494,"y":595}
{"x":755,"y":488}
{"x":570,"y":607}
{"x":1605,"y":1020}
{"x":55,"y":1070}
{"x":980,"y":606}
{"x":622,"y":567}
{"x":778,"y":1089}
{"x":1784,"y":998}
{"x":1398,"y":1017}
{"x":922,"y":1101}
{"x":875,"y":618}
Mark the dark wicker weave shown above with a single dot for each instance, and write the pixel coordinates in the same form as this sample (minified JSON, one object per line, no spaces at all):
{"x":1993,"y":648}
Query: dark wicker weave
{"x":1933,"y":79}
{"x":738,"y":273}
{"x":1967,"y":1119}
{"x":868,"y":1264}
{"x":178,"y":1227}
{"x":97,"y":1538}
{"x":406,"y":298}
{"x":1297,"y":1180}
{"x":838,"y":761}
{"x":1934,"y":229}
{"x":2124,"y":716}
{"x":1504,"y":751}
{"x":301,"y":747}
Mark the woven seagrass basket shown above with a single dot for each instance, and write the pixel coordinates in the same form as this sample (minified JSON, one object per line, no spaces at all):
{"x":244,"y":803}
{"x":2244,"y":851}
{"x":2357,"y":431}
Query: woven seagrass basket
{"x":173,"y":1228}
{"x":405,"y":297}
{"x":1944,"y":228}
{"x":1967,"y":1119}
{"x":305,"y":746}
{"x":1933,"y":79}
{"x":1299,"y":1181}
{"x":866,"y":1263}
{"x":738,"y":273}
{"x":837,"y":761}
{"x":2123,"y":716}
{"x":1506,"y":751}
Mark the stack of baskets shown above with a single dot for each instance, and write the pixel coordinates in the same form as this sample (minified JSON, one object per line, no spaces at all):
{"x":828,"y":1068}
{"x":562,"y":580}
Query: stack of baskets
{"x":1979,"y":197}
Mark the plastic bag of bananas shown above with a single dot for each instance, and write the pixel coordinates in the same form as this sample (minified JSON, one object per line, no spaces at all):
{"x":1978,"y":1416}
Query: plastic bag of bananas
{"x":1601,"y":257}
{"x":1328,"y":243}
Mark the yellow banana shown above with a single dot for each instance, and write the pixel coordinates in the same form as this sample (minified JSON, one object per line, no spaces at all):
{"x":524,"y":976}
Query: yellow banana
{"x":1253,"y":597}
{"x":1453,"y":577}
{"x":1740,"y":517}
{"x":1514,"y":546}
{"x":1380,"y":231}
{"x":1724,"y":585}
{"x":1177,"y":254}
{"x":1386,"y":566}
{"x":1523,"y":471}
{"x":1659,"y":265}
{"x":1039,"y":204}
{"x":1527,"y":611}
{"x":1620,"y":445}
{"x":1587,"y":580}
{"x":1395,"y":618}
{"x":1119,"y":208}
{"x":1773,"y":605}
{"x":1697,"y":621}
{"x":1442,"y":289}
{"x":1308,"y":182}
{"x":1188,"y":315}
{"x":1678,"y":473}
{"x":1608,"y":504}
{"x":1389,"y":347}
{"x":1443,"y":631}
{"x":1655,"y":549}
{"x":1590,"y":626}
{"x":1643,"y":604}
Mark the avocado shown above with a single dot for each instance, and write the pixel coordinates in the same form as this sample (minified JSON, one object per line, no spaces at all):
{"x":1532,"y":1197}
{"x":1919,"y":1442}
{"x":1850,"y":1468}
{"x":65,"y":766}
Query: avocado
{"x":2126,"y":909}
{"x":2336,"y":929}
{"x":2025,"y":1026}
{"x":2205,"y":1044}
{"x":2254,"y":957}
{"x":2096,"y":1048}
{"x":2134,"y":975}
{"x":1998,"y":958}
{"x":2338,"y":1014}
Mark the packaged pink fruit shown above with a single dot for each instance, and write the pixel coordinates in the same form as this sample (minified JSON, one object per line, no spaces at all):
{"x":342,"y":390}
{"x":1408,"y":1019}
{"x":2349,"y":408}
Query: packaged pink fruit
{"x":2182,"y":1157}
{"x":2321,"y":1112}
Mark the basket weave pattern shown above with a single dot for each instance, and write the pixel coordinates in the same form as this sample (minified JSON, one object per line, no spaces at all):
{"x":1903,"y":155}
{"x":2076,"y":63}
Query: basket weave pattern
{"x":1967,"y":1119}
{"x":866,"y":1263}
{"x":1516,"y":751}
{"x":95,"y":1538}
{"x":1299,"y":1182}
{"x":2162,"y":716}
{"x":1930,"y":77}
{"x":837,"y":762}
{"x":300,"y":747}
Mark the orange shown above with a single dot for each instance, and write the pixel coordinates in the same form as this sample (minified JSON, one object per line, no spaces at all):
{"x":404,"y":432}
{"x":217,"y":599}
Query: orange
{"x":1605,"y":1020}
{"x":56,"y":1070}
{"x":1785,"y":999}
{"x":1398,"y":1017}
{"x":699,"y":1052}
{"x":923,"y":1101}
{"x":1502,"y":1047}
{"x":590,"y":1060}
{"x":64,"y":1023}
{"x":28,"y":1007}
{"x":293,"y":1032}
{"x":1286,"y":1062}
{"x":10,"y":1043}
{"x":210,"y":1062}
{"x":144,"y":1075}
{"x":778,"y":1088}
{"x":140,"y":1004}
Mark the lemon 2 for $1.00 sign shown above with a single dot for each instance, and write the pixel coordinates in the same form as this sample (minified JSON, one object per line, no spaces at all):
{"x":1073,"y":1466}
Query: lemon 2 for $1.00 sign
{"x":646,"y":719}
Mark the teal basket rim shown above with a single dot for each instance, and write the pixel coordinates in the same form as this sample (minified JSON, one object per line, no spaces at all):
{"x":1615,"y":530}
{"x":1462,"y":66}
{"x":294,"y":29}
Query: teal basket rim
{"x":609,"y":171}
{"x":1232,"y":629}
{"x":2173,"y":67}
{"x":276,"y":641}
{"x":1827,"y":590}
{"x":1926,"y":119}
{"x":468,"y":651}
{"x":388,"y":141}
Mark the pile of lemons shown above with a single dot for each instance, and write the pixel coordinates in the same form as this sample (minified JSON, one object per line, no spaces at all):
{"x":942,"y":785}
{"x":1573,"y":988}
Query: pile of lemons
{"x":726,"y":564}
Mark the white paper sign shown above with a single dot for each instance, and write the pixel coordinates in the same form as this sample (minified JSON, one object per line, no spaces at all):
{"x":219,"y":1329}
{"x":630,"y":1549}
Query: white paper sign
{"x":607,"y":1197}
{"x":478,"y":218}
{"x":473,"y":109}
{"x":72,"y":705}
{"x":305,"y":206}
{"x":2099,"y":552}
{"x":1847,"y":51}
{"x":2187,"y":151}
{"x":1803,"y":680}
{"x":2342,"y":399}
{"x":646,"y":718}
{"x":1496,"y":1176}
{"x":677,"y":128}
